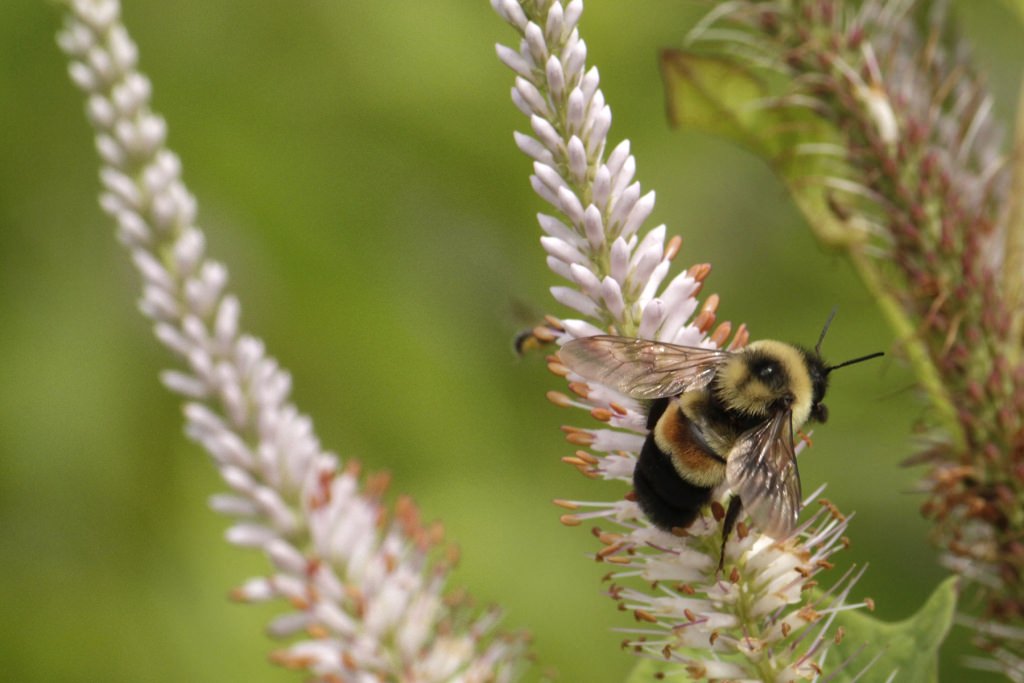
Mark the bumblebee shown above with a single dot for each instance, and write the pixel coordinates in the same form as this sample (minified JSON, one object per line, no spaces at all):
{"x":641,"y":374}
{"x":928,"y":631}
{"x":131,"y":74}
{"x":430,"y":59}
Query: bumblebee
{"x":535,"y":338}
{"x":715,"y":416}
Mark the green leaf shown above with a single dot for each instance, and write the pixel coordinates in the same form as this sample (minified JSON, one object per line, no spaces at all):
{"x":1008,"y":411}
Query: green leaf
{"x":723,"y":97}
{"x":911,"y":646}
{"x":908,"y":648}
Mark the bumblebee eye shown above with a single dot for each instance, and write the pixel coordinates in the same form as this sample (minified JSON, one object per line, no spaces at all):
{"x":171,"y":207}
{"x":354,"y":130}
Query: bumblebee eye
{"x":819,"y":413}
{"x":766,"y":371}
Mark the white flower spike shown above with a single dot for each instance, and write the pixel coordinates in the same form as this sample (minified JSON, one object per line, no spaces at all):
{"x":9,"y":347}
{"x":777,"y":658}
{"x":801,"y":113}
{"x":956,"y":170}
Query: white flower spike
{"x":366,"y":585}
{"x":757,"y":620}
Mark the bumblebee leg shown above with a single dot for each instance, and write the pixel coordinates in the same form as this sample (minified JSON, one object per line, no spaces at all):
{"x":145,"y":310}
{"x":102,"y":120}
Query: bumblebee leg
{"x":731,"y":515}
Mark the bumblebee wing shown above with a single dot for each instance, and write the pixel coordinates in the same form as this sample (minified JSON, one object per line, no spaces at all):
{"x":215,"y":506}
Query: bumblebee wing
{"x":761,"y":470}
{"x":642,"y":368}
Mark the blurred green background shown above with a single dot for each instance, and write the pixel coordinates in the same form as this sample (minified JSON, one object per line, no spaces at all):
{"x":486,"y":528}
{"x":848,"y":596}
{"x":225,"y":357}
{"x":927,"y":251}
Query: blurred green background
{"x":355,"y":169}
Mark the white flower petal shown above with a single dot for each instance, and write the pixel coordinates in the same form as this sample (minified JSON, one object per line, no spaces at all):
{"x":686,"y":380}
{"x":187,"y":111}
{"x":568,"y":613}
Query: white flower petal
{"x":638,"y":214}
{"x":570,"y":205}
{"x":513,"y":60}
{"x":533,"y":148}
{"x":581,"y":328}
{"x":574,"y":57}
{"x":575,"y":300}
{"x":597,"y":129}
{"x":611,"y":294}
{"x":556,"y":228}
{"x":250,"y":535}
{"x":587,"y":281}
{"x":532,"y":96}
{"x":577,"y":153}
{"x":564,"y":251}
{"x":575,"y":111}
{"x":555,"y":76}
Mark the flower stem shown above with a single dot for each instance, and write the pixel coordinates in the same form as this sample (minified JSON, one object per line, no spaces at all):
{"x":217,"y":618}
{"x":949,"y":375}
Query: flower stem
{"x":911,"y":342}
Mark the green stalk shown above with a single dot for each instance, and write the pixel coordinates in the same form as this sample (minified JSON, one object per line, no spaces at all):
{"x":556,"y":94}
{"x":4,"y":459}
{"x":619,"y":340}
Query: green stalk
{"x":911,"y":343}
{"x":1013,"y":265}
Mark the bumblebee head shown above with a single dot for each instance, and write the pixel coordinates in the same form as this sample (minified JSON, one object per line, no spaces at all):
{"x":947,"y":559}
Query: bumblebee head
{"x":767,"y":377}
{"x":819,"y":370}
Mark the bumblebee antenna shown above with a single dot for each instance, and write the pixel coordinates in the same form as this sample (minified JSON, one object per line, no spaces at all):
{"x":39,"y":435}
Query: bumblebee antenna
{"x":817,"y":347}
{"x":876,"y":354}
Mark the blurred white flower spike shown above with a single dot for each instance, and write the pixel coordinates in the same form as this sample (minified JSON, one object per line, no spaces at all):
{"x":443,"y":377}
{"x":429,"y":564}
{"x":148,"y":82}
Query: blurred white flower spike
{"x":595,"y":242}
{"x":366,"y":584}
{"x":757,"y":620}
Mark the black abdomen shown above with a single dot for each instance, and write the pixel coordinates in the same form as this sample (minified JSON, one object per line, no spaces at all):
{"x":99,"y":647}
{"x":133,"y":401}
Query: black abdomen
{"x":668,"y":500}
